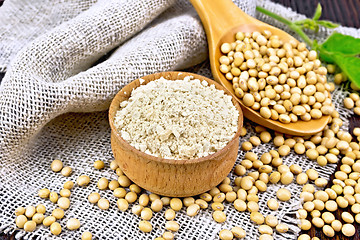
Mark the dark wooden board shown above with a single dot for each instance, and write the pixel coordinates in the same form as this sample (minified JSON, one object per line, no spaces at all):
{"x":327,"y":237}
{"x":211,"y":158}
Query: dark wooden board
{"x":345,"y":12}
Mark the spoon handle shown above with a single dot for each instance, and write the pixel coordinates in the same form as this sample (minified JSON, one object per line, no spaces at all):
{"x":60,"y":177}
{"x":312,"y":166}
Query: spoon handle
{"x":218,"y":17}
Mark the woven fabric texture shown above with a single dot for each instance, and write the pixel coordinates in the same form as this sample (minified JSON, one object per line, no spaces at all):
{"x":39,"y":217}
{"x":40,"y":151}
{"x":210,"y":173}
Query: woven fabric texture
{"x":54,"y":96}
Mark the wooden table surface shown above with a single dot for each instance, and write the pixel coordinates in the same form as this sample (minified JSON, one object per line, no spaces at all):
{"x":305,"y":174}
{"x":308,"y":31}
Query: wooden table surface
{"x":345,"y":12}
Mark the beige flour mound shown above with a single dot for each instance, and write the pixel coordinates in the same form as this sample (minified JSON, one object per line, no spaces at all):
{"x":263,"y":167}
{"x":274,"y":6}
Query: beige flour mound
{"x":179,"y":119}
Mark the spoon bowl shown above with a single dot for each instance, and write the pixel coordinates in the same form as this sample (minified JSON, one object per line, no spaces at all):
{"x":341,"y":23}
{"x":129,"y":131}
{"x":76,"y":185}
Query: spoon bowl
{"x":221,"y":21}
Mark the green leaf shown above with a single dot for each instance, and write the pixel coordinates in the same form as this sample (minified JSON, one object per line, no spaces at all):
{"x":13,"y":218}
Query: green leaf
{"x":340,"y":43}
{"x":327,"y":24}
{"x":325,"y":56}
{"x":318,"y":11}
{"x":350,"y":66}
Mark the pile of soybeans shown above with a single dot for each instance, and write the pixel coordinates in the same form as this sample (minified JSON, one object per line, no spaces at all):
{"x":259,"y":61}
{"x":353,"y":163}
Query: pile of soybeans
{"x":282,"y":81}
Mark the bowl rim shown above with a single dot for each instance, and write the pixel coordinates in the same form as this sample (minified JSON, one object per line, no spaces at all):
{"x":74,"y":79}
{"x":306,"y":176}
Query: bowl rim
{"x":114,"y":108}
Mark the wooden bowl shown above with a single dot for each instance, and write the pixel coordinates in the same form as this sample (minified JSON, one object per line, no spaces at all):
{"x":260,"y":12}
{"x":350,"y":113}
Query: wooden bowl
{"x":170,"y":177}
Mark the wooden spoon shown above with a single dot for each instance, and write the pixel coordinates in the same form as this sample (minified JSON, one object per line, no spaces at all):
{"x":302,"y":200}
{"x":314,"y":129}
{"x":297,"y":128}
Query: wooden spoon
{"x":222,"y":19}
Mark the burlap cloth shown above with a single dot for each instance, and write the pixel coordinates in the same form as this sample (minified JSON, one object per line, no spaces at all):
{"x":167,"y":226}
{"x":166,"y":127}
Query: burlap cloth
{"x":54,"y":96}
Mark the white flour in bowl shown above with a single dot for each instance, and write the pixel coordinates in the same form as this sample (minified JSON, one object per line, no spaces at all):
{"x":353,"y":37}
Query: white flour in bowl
{"x":177,"y":119}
